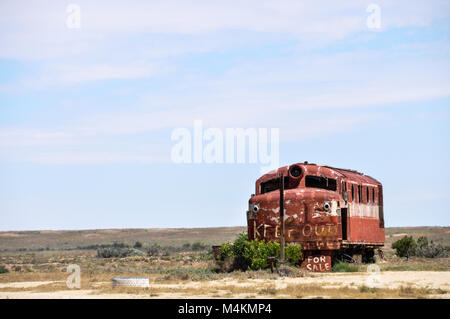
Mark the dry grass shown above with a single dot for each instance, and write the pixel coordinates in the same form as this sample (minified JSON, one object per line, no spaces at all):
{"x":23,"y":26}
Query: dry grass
{"x":227,"y":287}
{"x":32,"y":276}
{"x":394,"y":263}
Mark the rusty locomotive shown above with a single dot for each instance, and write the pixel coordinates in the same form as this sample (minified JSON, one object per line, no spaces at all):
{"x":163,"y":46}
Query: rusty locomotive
{"x":334,"y":213}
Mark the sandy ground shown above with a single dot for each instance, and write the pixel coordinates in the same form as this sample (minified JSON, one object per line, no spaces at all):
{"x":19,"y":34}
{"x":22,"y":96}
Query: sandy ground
{"x":392,"y":280}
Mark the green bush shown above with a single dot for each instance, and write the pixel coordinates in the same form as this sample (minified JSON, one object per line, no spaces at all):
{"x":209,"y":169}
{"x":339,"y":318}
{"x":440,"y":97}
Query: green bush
{"x":405,"y":247}
{"x":293,"y":254}
{"x":239,"y":244}
{"x":226,"y":251}
{"x":257,"y":253}
{"x":344,"y":267}
{"x":3,"y":270}
{"x":244,"y":254}
{"x":422,"y":242}
{"x":137,"y":244}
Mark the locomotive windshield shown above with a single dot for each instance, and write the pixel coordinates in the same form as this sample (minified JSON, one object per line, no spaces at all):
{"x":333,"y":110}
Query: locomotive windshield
{"x":273,"y":184}
{"x":320,"y":182}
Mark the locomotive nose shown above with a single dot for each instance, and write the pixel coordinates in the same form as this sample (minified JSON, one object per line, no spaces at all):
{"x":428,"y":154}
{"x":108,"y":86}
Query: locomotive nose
{"x":299,"y":207}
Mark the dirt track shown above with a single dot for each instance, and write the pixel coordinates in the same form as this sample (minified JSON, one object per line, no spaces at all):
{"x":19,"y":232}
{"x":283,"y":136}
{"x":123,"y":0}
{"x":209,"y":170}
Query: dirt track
{"x":204,"y":289}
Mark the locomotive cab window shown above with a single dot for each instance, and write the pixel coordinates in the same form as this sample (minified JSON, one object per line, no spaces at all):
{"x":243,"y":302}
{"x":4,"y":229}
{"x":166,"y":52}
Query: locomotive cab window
{"x":320,"y":182}
{"x":367,"y":194}
{"x":273,"y":184}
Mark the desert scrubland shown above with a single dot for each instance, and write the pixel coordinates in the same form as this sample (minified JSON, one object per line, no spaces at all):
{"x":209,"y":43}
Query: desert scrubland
{"x":179,"y":264}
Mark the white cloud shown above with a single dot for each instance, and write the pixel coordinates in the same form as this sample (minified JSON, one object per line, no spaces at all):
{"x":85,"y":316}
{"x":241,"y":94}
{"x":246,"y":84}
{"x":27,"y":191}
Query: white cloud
{"x":37,"y":29}
{"x":35,"y":137}
{"x":91,"y":157}
{"x":137,"y":39}
{"x":84,"y":73}
{"x":275,"y":93}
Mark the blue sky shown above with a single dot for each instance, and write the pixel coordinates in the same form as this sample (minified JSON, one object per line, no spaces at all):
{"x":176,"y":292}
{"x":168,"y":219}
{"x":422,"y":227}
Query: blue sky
{"x":86,"y":114}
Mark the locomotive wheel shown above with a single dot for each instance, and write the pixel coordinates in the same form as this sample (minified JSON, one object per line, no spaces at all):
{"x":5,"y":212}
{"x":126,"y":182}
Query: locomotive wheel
{"x":357,"y":256}
{"x":368,"y":256}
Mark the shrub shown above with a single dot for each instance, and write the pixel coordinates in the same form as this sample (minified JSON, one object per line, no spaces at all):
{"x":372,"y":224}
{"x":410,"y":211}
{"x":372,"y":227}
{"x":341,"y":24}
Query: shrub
{"x":120,"y":245}
{"x":422,"y":242}
{"x":231,"y":256}
{"x":287,"y":270}
{"x":3,"y":269}
{"x":432,"y":251}
{"x":137,"y":244}
{"x":257,"y":253}
{"x":226,"y":251}
{"x":405,"y":247}
{"x":293,"y":254}
{"x":364,"y":288}
{"x":154,"y":250}
{"x":187,"y":274}
{"x":344,"y":267}
{"x":198,"y":246}
{"x":226,"y":265}
{"x":239,"y":261}
{"x":239,"y":244}
{"x":118,"y":252}
{"x":244,"y":254}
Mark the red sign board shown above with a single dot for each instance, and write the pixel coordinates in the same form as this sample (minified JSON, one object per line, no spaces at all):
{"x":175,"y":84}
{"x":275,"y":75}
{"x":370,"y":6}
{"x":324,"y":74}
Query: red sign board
{"x":318,"y":263}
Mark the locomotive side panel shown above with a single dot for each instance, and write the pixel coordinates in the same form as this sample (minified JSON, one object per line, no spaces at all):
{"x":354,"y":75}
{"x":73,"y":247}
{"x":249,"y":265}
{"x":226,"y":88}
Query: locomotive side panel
{"x":364,"y":211}
{"x":366,"y":231}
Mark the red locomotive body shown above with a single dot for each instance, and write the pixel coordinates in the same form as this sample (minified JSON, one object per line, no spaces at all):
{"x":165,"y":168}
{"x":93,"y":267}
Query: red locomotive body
{"x":331,"y":212}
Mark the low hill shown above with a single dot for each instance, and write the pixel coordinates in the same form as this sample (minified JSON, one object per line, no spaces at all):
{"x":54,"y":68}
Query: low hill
{"x":72,"y":239}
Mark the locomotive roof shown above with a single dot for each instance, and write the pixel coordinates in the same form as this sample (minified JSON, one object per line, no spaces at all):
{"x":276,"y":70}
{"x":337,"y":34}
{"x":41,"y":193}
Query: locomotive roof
{"x":349,"y":174}
{"x":353,"y":175}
